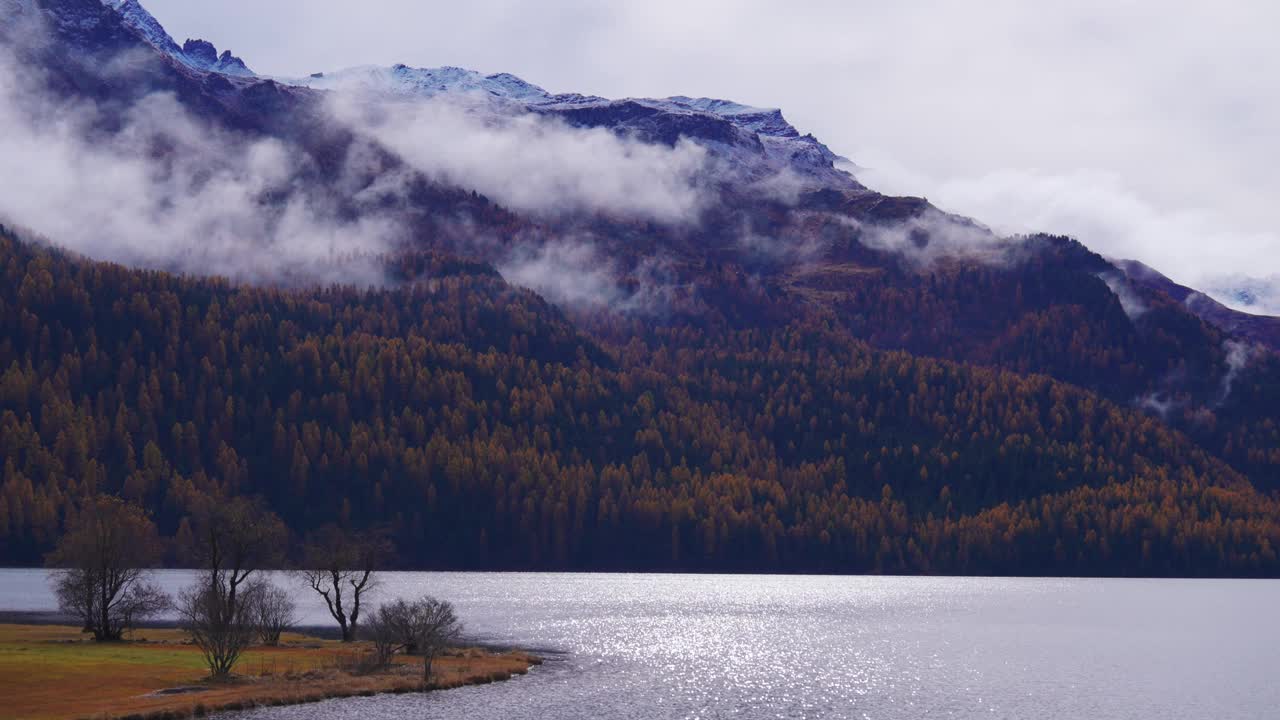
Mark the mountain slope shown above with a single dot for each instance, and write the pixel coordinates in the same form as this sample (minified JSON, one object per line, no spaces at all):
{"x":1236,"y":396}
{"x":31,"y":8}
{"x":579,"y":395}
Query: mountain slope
{"x":198,"y":54}
{"x":398,"y":406}
{"x":1260,"y":329}
{"x":794,"y":372}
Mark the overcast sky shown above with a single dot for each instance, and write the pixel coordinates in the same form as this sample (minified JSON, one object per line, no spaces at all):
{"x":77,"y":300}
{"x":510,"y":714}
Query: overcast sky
{"x":1147,"y":129}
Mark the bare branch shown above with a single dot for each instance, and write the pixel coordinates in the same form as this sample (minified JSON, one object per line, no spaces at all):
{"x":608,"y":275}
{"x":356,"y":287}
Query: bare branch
{"x":338,"y":561}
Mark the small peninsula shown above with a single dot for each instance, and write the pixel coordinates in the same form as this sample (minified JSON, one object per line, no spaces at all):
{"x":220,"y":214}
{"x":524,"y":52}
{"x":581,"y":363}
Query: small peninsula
{"x":54,"y":672}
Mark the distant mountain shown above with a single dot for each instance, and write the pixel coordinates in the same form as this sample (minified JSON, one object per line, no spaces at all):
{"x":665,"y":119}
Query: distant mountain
{"x":1256,"y":296}
{"x":610,"y":334}
{"x":1258,"y":328}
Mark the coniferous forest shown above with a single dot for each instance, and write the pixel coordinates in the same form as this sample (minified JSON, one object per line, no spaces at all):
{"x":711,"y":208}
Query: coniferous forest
{"x":483,"y":428}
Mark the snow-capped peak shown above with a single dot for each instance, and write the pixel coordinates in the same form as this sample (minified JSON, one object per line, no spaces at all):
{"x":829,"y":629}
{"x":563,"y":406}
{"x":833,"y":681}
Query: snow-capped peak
{"x":758,"y":143}
{"x":197,"y":54}
{"x":766,"y":121}
{"x":203,"y":55}
{"x":404,"y":81}
{"x":145,"y":24}
{"x":744,"y":135}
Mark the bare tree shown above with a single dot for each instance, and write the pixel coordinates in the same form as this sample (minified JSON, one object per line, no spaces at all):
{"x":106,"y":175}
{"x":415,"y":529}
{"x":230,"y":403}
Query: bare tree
{"x":221,"y":632}
{"x":273,"y":611}
{"x":103,"y":560}
{"x":426,"y":627}
{"x":384,"y":630}
{"x":236,"y":538}
{"x":342,"y":568}
{"x":438,"y":629}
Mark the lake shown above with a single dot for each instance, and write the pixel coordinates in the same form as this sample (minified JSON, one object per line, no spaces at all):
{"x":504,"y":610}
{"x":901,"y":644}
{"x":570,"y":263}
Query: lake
{"x":755,"y":647}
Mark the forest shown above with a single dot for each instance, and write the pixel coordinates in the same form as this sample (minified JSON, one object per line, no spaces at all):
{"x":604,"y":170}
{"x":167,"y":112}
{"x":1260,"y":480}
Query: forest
{"x":483,"y":428}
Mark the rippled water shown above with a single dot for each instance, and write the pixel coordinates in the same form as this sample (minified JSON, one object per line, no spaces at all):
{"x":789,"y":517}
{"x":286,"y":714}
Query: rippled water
{"x":686,"y":646}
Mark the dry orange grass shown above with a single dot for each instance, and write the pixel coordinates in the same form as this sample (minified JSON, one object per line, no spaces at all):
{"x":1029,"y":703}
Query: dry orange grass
{"x":52,"y":673}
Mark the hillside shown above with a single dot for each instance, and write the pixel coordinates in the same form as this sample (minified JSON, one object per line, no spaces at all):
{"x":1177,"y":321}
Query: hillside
{"x":491,"y":434}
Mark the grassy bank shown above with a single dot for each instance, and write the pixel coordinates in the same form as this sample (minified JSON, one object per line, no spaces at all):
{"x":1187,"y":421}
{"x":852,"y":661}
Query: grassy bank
{"x":50,"y":672}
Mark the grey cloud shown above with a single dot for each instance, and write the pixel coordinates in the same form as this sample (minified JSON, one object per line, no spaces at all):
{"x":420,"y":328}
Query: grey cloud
{"x":934,"y":236}
{"x":1258,"y":295}
{"x":1130,"y":301}
{"x":529,"y":162}
{"x":196,"y":206}
{"x":1159,"y":404}
{"x":1191,"y":245}
{"x":1238,"y":356}
{"x":572,"y":272}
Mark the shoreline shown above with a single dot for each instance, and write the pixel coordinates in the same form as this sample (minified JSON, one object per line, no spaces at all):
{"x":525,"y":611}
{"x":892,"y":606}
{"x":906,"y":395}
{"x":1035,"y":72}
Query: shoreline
{"x":316,"y":632}
{"x":47,"y":618}
{"x":808,"y":573}
{"x":49,"y":671}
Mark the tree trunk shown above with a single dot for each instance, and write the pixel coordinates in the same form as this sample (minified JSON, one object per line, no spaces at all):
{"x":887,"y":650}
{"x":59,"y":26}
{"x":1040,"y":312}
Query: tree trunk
{"x":104,"y":628}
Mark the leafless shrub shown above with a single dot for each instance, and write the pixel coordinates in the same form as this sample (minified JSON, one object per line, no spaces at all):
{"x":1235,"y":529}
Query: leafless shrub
{"x":383,"y":630}
{"x":426,"y":627}
{"x":222,"y":630}
{"x":439,"y":628}
{"x":273,"y":611}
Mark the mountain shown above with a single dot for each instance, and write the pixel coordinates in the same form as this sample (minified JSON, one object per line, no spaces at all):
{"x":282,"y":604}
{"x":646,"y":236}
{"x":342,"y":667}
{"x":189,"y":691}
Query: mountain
{"x":197,"y":54}
{"x":1261,"y":329}
{"x":753,"y":137}
{"x":596,"y":334}
{"x":1255,"y":296}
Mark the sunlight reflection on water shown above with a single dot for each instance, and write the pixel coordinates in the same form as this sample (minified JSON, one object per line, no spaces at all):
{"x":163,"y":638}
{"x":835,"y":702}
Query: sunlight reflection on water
{"x":683,"y":646}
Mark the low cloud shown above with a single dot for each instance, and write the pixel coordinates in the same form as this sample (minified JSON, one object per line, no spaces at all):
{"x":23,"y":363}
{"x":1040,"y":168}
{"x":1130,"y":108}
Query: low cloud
{"x":1130,"y":301}
{"x":933,"y":236}
{"x":1238,"y":356}
{"x":1169,"y":106}
{"x":1101,"y":211}
{"x":165,"y":190}
{"x":1260,"y":296}
{"x":1160,"y":404}
{"x":787,"y":243}
{"x":529,"y":162}
{"x":573,"y":272}
{"x":564,"y":272}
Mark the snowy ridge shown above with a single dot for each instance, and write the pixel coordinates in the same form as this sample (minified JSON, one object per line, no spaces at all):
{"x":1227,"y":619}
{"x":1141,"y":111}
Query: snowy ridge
{"x":201,"y":54}
{"x":752,"y":144}
{"x":196,"y":54}
{"x":145,"y":24}
{"x":757,"y":140}
{"x":765,"y":121}
{"x":406,"y":82}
